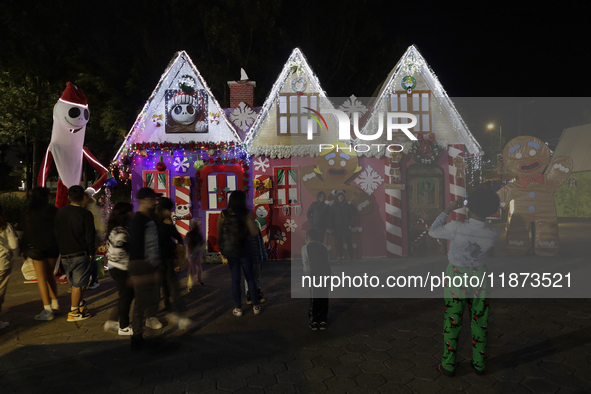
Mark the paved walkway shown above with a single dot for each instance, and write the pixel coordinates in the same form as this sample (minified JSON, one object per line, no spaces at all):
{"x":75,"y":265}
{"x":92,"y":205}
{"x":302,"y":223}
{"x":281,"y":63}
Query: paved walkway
{"x":371,"y":346}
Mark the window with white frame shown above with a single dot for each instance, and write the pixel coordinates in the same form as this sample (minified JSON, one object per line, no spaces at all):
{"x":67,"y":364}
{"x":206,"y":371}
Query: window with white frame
{"x":291,"y":113}
{"x":417,"y":103}
{"x":219,"y":187}
{"x":287,"y":189}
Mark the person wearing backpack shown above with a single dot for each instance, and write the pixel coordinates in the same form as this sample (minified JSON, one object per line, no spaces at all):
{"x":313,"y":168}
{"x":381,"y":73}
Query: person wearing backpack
{"x":237,"y":239}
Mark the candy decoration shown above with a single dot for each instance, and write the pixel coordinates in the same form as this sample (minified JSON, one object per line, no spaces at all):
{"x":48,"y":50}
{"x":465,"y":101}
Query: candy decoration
{"x":181,"y":165}
{"x":427,"y":227}
{"x":393,"y":206}
{"x":182,"y":195}
{"x":457,"y":185}
{"x":199,"y":164}
{"x":161,"y":166}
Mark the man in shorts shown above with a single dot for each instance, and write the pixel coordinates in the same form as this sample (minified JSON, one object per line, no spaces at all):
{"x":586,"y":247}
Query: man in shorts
{"x":75,"y":235}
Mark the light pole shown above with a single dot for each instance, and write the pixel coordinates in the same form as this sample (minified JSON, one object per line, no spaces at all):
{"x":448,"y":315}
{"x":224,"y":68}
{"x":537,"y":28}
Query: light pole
{"x":490,"y":127}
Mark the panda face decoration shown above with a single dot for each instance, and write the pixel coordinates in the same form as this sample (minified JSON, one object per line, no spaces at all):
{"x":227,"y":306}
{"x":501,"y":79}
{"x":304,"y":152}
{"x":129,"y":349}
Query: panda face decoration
{"x":71,"y":116}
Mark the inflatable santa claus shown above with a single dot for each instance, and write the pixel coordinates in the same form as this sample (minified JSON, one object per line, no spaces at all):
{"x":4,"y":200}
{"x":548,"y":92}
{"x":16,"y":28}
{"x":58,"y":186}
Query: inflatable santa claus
{"x":70,"y":115}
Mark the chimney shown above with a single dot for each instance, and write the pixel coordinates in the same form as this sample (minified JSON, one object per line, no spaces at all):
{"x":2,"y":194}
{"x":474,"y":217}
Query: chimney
{"x":242,"y":91}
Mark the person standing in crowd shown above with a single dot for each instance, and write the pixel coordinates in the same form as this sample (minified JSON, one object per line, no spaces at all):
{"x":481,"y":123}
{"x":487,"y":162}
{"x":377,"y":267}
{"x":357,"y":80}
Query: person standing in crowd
{"x":167,"y":235}
{"x":39,"y":244}
{"x":75,"y":235}
{"x":144,"y":259}
{"x":341,"y":219}
{"x":90,"y":204}
{"x":8,"y":243}
{"x":117,"y":236}
{"x":319,"y":213}
{"x":195,"y":253}
{"x":237,"y":239}
{"x":469,"y":245}
{"x":316,"y":263}
{"x":256,"y":269}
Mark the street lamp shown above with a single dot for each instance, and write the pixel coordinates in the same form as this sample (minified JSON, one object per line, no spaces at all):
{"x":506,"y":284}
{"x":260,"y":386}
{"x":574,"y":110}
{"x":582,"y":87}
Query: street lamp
{"x":490,"y":127}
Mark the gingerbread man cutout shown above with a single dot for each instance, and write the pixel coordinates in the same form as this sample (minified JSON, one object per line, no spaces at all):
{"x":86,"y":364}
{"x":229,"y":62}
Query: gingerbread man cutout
{"x":532,"y":193}
{"x":334,"y":167}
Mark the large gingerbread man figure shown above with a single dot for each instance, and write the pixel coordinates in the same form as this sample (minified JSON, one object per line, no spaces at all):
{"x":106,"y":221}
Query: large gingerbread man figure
{"x":333,"y":168}
{"x":532,"y":195}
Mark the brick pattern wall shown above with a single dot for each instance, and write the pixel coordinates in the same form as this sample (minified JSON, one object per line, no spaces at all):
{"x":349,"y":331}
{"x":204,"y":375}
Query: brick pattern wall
{"x":241,"y":92}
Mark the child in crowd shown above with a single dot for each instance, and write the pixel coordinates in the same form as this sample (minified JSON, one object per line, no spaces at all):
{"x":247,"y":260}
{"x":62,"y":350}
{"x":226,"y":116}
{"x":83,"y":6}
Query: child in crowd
{"x":316,"y":263}
{"x":195,"y":253}
{"x":470,"y":243}
{"x":8,"y":243}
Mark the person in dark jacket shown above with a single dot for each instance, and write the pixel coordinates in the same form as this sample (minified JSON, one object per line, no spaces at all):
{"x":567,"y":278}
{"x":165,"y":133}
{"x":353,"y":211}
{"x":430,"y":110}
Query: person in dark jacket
{"x":168,"y":238}
{"x":316,"y":264}
{"x":341,"y":219}
{"x":319,"y":214}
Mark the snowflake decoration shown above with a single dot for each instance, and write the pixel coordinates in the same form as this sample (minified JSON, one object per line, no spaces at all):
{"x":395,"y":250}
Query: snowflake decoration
{"x":352,"y":105}
{"x":181,"y":166}
{"x":280,"y":237}
{"x":243,"y":116}
{"x":261,"y":164}
{"x":369,"y":180}
{"x":290,"y":226}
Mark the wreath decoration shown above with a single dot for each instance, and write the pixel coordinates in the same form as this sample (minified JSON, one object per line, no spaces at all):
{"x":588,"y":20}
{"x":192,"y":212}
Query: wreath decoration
{"x":408,"y":83}
{"x":425,"y":150}
{"x":187,"y":83}
{"x":428,"y":181}
{"x":298,"y":84}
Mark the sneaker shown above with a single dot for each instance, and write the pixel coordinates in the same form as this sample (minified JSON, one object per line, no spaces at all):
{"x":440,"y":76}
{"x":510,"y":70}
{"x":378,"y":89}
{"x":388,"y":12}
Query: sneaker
{"x":185,"y":323}
{"x":78,"y":315}
{"x":153,"y":323}
{"x":3,"y":324}
{"x":313,"y":326}
{"x":45,"y":315}
{"x":322,"y":326}
{"x":111,"y":325}
{"x":93,"y":286}
{"x":237,"y":312}
{"x":256,"y":309}
{"x":261,"y":297}
{"x":248,"y":298}
{"x":82,"y":306}
{"x":125,"y":331}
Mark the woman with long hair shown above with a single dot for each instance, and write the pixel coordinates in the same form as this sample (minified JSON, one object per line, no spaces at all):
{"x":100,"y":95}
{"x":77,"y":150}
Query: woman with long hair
{"x":237,"y":238}
{"x":40,"y":246}
{"x":117,"y":235}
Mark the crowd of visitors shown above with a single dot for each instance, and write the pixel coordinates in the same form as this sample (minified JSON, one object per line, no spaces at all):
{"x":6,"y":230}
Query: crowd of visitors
{"x":141,"y":251}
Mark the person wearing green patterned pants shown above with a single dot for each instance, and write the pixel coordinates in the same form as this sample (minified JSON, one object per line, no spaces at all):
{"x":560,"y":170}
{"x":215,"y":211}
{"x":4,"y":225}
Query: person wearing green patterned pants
{"x":456,"y":298}
{"x":469,"y":244}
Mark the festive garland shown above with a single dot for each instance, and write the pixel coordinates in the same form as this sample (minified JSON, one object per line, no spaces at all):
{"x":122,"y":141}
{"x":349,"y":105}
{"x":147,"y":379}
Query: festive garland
{"x":425,"y":150}
{"x":186,"y":146}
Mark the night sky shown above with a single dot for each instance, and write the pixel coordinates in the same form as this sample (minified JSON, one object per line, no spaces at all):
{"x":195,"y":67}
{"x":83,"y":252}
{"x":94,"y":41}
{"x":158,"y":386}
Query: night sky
{"x":523,"y":53}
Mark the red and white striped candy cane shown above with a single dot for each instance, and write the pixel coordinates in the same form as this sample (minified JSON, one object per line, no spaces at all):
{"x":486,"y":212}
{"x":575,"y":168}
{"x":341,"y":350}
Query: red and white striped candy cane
{"x":393,"y":207}
{"x":457,"y":185}
{"x":182,"y":197}
{"x":427,"y":227}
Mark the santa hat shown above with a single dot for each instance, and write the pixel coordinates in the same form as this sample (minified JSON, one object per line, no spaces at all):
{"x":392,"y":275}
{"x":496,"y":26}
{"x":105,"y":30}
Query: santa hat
{"x":74,"y":95}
